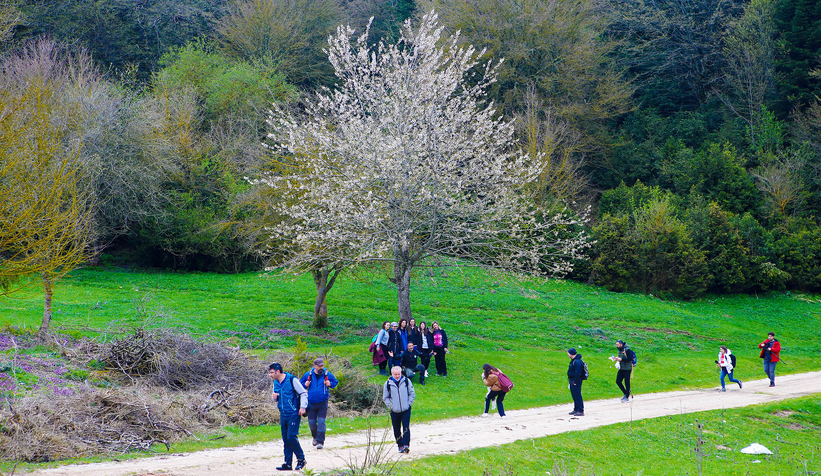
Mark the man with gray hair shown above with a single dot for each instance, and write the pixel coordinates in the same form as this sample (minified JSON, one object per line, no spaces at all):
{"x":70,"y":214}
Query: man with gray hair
{"x":398,"y":394}
{"x":292,"y":400}
{"x":319,"y":381}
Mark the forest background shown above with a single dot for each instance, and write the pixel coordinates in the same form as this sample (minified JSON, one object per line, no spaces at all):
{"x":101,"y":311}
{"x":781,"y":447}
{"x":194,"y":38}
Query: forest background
{"x":692,"y":129}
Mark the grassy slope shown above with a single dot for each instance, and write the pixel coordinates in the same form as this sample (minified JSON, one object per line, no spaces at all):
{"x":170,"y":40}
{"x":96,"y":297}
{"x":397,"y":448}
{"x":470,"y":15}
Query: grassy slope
{"x":523,"y":328}
{"x":660,"y":446}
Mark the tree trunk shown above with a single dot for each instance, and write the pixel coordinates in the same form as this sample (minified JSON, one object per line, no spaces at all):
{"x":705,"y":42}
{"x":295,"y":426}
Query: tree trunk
{"x":402,"y":273}
{"x":324,"y":278}
{"x":48,"y":289}
{"x":320,"y":305}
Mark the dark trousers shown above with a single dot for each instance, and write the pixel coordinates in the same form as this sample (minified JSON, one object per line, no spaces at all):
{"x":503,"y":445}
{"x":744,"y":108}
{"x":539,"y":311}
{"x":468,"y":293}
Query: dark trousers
{"x":500,"y":397}
{"x":410,"y":372}
{"x":576,"y":392}
{"x":769,"y":369}
{"x":425,"y":357}
{"x":441,"y":365}
{"x":290,"y":438}
{"x":624,"y":375}
{"x":401,"y":421}
{"x":317,"y":412}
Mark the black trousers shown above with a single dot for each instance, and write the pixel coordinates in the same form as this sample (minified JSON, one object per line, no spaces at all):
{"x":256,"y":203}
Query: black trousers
{"x":624,"y":375}
{"x":441,"y":365}
{"x":576,"y":392}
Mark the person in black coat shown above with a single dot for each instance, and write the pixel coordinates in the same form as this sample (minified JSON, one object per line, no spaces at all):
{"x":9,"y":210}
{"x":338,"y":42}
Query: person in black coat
{"x":424,"y":344}
{"x":440,"y":349}
{"x":411,"y":365}
{"x":575,"y":377}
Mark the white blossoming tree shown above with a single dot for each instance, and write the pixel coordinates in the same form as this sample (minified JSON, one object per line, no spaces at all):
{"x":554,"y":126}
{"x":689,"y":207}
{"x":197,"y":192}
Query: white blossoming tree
{"x":405,"y":161}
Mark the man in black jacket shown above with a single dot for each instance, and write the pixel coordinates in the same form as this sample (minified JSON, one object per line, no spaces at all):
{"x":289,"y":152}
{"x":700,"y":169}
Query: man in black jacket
{"x":410,"y":364}
{"x":575,"y":377}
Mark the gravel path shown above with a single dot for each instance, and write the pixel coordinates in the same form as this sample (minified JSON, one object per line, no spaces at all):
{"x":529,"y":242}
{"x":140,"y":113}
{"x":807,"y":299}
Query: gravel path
{"x":454,"y":435}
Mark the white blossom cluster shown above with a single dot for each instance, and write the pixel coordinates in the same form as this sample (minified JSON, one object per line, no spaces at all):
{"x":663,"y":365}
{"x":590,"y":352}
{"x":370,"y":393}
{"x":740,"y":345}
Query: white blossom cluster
{"x":405,"y":160}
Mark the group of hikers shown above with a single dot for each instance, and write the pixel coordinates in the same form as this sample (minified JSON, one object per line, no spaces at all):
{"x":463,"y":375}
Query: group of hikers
{"x":403,"y":343}
{"x":406,"y":345}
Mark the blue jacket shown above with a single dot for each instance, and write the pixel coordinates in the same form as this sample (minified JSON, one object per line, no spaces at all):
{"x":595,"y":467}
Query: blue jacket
{"x":292,"y":396}
{"x":317,"y":391}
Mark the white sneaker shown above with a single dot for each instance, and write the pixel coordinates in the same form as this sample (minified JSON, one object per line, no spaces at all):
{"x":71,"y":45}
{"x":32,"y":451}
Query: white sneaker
{"x":503,"y":416}
{"x":485,"y":415}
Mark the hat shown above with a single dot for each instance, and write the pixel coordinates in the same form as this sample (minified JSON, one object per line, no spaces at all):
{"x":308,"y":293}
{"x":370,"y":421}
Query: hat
{"x":571,"y":351}
{"x":319,"y":361}
{"x":394,"y":324}
{"x":275,"y":366}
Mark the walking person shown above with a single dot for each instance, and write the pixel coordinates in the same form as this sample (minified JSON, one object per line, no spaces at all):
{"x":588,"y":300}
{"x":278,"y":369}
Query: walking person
{"x":411,"y":365}
{"x":382,"y":340}
{"x":440,"y":349}
{"x":490,"y":377}
{"x":725,"y":361}
{"x":771,"y":353}
{"x":424,"y":344}
{"x":575,"y":376}
{"x":398,"y":394}
{"x":292,"y":401}
{"x":319,"y":382}
{"x":624,"y":364}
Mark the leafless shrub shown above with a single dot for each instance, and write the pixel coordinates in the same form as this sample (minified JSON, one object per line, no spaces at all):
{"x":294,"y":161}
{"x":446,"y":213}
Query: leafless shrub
{"x":169,"y":386}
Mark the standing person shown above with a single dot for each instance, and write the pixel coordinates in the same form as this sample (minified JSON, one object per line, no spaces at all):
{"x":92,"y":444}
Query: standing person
{"x":424,"y":345}
{"x":403,"y":333}
{"x":411,"y":365}
{"x":770,"y":352}
{"x":413,"y":332}
{"x":725,"y":362}
{"x":625,"y":366}
{"x":440,"y":349}
{"x":575,"y":377}
{"x":292,"y":400}
{"x":394,"y":345}
{"x":382,"y":340}
{"x":319,"y":382}
{"x":398,"y":394}
{"x":490,"y":377}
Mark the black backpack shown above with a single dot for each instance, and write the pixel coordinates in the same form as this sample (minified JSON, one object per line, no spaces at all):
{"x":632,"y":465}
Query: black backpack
{"x":732,"y":359}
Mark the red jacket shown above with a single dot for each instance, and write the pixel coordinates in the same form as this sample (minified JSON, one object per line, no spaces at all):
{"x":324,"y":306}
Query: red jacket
{"x":774,"y":351}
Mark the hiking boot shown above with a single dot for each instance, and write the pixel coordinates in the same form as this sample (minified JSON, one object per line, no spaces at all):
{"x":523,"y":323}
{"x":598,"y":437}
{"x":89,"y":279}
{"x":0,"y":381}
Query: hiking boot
{"x":772,"y":384}
{"x":572,"y":413}
{"x":625,"y":399}
{"x":579,"y":414}
{"x":722,"y":390}
{"x":401,"y":449}
{"x":319,"y":446}
{"x":406,"y":450}
{"x":300,"y":463}
{"x":285,"y":467}
{"x":314,"y":442}
{"x":739,"y":384}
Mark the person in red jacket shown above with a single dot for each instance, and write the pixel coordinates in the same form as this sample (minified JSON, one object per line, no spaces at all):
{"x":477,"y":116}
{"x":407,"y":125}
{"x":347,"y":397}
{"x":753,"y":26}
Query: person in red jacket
{"x":770,"y":350}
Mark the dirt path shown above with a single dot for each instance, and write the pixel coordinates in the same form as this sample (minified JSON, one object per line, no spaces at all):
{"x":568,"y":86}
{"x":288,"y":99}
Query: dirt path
{"x":455,"y":435}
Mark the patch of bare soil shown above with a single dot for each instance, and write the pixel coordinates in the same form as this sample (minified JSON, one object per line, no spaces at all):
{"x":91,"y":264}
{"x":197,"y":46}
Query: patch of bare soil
{"x":455,"y":435}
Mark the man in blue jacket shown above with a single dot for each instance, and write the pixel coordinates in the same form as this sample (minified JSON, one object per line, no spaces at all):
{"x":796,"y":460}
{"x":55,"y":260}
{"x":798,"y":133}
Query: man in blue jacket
{"x":318,"y":381}
{"x":292,"y":400}
{"x":575,"y":376}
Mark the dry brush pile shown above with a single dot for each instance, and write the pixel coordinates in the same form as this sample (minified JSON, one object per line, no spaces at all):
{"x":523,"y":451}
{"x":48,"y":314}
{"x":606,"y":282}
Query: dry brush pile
{"x":159,"y":386}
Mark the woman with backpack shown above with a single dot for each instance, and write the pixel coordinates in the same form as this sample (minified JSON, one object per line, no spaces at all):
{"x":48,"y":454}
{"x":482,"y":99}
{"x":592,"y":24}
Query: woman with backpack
{"x":382,"y":340}
{"x":440,"y":349}
{"x":726,"y":361}
{"x":499,"y":385}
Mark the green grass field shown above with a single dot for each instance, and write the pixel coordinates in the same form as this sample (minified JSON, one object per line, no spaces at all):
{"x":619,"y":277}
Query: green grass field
{"x":523,"y":327}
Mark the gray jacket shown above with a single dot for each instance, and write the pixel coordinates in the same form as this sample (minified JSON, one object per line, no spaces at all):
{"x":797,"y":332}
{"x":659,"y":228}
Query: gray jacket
{"x":398,"y":396}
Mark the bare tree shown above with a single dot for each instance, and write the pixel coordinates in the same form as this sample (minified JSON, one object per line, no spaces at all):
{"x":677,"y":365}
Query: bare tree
{"x":404,"y":161}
